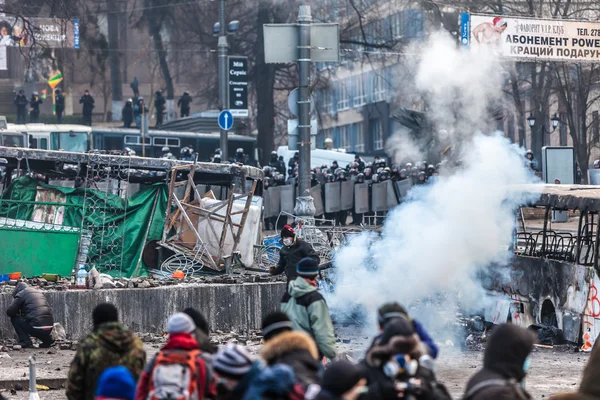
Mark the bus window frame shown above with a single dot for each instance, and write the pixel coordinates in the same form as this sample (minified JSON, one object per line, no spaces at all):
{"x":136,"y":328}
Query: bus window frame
{"x":147,"y":140}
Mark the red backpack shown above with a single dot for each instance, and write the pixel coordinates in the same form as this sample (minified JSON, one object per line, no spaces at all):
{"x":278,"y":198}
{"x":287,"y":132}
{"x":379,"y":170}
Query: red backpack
{"x":175,"y":375}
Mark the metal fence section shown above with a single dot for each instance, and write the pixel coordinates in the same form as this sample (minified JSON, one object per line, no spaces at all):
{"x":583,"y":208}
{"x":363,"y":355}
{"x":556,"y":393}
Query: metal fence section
{"x":110,"y":181}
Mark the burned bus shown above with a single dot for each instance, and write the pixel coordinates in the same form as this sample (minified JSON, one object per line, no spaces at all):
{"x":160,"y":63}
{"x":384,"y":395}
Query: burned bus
{"x":553,"y":277}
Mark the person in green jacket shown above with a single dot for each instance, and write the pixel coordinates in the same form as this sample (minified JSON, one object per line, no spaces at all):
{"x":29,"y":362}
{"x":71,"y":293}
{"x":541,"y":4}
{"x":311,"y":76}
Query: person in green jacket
{"x":307,"y":308}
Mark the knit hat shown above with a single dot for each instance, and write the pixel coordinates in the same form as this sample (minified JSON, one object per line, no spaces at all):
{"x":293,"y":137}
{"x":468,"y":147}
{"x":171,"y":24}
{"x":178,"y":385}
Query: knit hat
{"x":287,"y":231}
{"x":180,"y":323}
{"x":389,"y":311}
{"x":274,"y":324}
{"x":116,"y":383}
{"x":232,"y":361}
{"x":103,"y":313}
{"x":341,"y":376}
{"x":307,"y":268}
{"x":397,"y":327}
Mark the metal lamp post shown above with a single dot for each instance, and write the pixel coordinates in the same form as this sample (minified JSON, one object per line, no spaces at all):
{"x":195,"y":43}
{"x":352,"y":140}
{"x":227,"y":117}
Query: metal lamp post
{"x":531,"y":120}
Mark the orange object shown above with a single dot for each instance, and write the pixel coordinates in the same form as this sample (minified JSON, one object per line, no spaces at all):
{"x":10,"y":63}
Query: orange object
{"x":14,"y":276}
{"x":178,"y":274}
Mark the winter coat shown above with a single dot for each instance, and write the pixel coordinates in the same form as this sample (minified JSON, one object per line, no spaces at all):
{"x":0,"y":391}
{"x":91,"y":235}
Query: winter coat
{"x":34,"y":103}
{"x":325,"y":395}
{"x":110,"y":344}
{"x":589,"y":389}
{"x":88,"y":104}
{"x":184,"y":102}
{"x":21,"y":102}
{"x":503,"y":362}
{"x":289,"y":257}
{"x":32,"y":304}
{"x":60,"y":103}
{"x":239,"y":391}
{"x":159,"y":104}
{"x":276,"y":382}
{"x":382,"y":387}
{"x":309,"y":313}
{"x":297,"y":350}
{"x":180,"y":341}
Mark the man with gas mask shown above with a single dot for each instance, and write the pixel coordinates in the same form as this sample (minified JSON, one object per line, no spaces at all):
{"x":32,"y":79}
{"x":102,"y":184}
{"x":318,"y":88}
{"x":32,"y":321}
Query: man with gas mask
{"x":398,"y":367}
{"x":294,"y":249}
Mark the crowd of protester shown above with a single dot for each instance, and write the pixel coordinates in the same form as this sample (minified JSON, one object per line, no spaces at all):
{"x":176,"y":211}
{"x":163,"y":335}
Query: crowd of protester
{"x":298,"y":359}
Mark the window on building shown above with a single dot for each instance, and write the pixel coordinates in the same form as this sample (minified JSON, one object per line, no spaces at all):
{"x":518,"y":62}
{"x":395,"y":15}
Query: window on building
{"x":326,"y":101}
{"x":376,"y":133}
{"x":379,"y":86}
{"x":344,"y":137}
{"x":360,"y":97}
{"x":359,"y":145}
{"x":343,"y":102}
{"x":396,"y":26}
{"x":563,"y":130}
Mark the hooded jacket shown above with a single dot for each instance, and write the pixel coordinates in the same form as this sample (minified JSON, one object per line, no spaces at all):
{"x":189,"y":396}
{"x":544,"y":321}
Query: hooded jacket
{"x":184,"y":102}
{"x":276,"y":382}
{"x":503,"y":362}
{"x":110,"y":344}
{"x":297,"y":350}
{"x":309,"y":313}
{"x":289,"y":257}
{"x":589,"y":389}
{"x":32,"y":304}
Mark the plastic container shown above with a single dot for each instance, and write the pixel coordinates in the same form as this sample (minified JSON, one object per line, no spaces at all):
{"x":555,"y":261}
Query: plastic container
{"x":14,"y":276}
{"x":178,"y":274}
{"x":82,"y":278}
{"x":4,"y":278}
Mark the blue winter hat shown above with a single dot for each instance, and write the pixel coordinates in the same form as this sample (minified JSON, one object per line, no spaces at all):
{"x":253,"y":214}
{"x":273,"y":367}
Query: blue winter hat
{"x":307,"y":268}
{"x":116,"y":383}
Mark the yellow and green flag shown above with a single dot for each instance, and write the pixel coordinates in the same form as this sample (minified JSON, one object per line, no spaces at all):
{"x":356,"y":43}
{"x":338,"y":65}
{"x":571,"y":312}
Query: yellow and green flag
{"x":55,"y":79}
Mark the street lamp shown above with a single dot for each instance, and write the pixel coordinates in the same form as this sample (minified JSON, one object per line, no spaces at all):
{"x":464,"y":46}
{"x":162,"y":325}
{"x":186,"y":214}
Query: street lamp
{"x":555,"y":120}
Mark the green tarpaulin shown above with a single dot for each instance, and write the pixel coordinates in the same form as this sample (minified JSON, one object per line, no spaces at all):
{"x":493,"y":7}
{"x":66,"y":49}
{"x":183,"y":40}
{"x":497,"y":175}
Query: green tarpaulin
{"x":118,"y":226}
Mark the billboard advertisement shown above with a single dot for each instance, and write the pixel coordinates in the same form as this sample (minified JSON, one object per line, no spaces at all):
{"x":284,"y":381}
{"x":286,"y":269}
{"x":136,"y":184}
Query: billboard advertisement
{"x":533,"y":39}
{"x":238,"y":85}
{"x":43,"y":32}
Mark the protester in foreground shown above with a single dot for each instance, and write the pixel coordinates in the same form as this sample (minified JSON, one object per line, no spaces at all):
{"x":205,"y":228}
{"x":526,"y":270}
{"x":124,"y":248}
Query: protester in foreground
{"x":109,"y":344}
{"x":505,"y":364}
{"x":170,"y":374}
{"x":293,"y":348}
{"x":391,"y":311}
{"x":202,"y":331}
{"x":589,"y":389}
{"x":294,"y":249}
{"x":307,"y":308}
{"x":116,"y":383}
{"x":342,"y":380}
{"x":397,"y":367}
{"x":31,"y":315}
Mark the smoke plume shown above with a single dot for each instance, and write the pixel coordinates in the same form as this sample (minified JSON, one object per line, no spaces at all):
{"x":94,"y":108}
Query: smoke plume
{"x":436,"y":240}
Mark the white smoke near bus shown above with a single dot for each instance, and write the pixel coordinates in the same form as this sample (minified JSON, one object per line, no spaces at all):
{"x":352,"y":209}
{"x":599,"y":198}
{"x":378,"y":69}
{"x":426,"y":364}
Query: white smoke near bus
{"x":437,"y":240}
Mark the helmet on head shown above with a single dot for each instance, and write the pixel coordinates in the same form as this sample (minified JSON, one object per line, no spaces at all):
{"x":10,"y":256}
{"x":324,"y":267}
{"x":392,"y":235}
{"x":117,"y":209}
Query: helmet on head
{"x":368,"y":173}
{"x":375,"y":178}
{"x":422,"y":176}
{"x":408,"y":165}
{"x":529,"y":153}
{"x":267,"y":182}
{"x":165,"y":149}
{"x":240,"y":150}
{"x":186,"y":92}
{"x":360,"y":178}
{"x":403,"y":173}
{"x":158,"y":93}
{"x":35,"y":93}
{"x":267,"y":170}
{"x":330,"y":178}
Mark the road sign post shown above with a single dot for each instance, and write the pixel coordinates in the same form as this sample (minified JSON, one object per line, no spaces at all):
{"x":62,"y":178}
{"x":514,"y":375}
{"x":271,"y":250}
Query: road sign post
{"x":225,"y":121}
{"x":303,"y":43}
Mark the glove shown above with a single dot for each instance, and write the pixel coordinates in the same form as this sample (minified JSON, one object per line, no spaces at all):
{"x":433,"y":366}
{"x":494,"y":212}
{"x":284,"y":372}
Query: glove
{"x":273,"y":270}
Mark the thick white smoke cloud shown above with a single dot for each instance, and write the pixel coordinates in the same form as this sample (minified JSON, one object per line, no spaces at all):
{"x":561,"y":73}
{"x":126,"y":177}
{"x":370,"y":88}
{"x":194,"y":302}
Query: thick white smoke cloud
{"x":437,"y":240}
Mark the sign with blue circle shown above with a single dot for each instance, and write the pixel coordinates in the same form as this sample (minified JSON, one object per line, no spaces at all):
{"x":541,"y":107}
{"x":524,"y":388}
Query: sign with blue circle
{"x":225,"y":120}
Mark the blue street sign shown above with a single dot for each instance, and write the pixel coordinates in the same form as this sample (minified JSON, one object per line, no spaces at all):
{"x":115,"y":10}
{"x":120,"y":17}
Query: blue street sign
{"x":225,"y":120}
{"x":465,"y":29}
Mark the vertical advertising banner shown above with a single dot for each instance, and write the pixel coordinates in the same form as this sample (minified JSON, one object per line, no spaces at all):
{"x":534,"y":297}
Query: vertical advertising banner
{"x":535,"y":39}
{"x":238,"y":85}
{"x":465,"y":29}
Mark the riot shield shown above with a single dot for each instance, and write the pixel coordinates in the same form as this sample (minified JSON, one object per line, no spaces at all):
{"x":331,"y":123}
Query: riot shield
{"x":379,"y":196}
{"x":392,"y":200}
{"x":266,"y":204}
{"x":287,"y":198}
{"x":315,"y":192}
{"x":402,"y":187}
{"x":332,"y":197}
{"x":347,"y":195}
{"x":594,"y":176}
{"x":361,"y":198}
{"x":274,"y":200}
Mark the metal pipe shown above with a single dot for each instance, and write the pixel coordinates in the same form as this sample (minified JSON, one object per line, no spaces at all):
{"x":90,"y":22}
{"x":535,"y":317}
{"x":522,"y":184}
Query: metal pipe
{"x":33,"y":393}
{"x":222,"y":54}
{"x":305,"y":205}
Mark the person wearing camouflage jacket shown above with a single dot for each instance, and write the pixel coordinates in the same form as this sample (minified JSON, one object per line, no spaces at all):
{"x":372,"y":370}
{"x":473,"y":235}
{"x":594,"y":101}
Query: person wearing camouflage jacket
{"x":111,"y":343}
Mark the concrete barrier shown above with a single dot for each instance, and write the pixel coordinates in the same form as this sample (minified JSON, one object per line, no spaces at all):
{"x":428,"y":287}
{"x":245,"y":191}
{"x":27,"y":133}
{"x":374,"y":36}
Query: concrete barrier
{"x":237,"y":307}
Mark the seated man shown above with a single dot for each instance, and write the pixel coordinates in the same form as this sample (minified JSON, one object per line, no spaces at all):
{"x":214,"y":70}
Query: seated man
{"x":31,"y":315}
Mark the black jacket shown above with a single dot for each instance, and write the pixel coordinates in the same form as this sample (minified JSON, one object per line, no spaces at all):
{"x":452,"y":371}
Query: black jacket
{"x":297,"y":350}
{"x":159,"y":104}
{"x":34,"y":103}
{"x":21,"y":102}
{"x":88,"y":103}
{"x":289,"y":257}
{"x":32,"y":304}
{"x":184,"y":102}
{"x":60,"y":103}
{"x":503,"y":361}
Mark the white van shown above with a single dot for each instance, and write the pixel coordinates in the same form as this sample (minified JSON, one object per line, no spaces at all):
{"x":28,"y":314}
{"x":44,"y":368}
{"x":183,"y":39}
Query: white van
{"x":319,"y":157}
